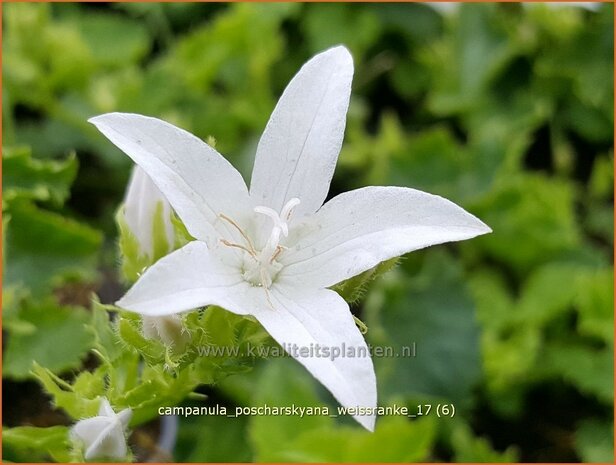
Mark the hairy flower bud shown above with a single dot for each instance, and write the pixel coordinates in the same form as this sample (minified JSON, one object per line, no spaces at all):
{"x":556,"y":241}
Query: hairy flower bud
{"x":148,"y":216}
{"x":103,"y":436}
{"x":168,"y":329}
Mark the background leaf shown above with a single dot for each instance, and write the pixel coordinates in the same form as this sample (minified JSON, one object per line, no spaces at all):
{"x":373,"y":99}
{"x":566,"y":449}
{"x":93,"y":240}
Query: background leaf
{"x":44,"y":249}
{"x":57,"y":339}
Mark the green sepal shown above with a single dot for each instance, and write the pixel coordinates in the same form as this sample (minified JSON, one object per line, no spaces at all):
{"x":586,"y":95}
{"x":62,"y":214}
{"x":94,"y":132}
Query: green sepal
{"x":64,"y":395}
{"x":129,"y":331}
{"x":134,"y":259}
{"x":162,"y":245}
{"x":353,"y":289}
{"x":182,"y":236}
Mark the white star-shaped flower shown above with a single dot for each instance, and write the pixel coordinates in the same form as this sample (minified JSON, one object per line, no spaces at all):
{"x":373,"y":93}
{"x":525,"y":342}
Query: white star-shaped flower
{"x":273,"y":251}
{"x":103,"y":435}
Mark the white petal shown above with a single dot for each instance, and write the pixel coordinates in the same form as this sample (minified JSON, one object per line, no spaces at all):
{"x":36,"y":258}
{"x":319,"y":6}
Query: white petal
{"x":356,"y":230}
{"x":111,"y":444}
{"x":105,"y":410}
{"x":188,"y":278}
{"x":90,"y":429}
{"x":321,"y":318}
{"x":198,"y":182}
{"x":140,"y":206}
{"x":125,"y":416}
{"x":299,"y":148}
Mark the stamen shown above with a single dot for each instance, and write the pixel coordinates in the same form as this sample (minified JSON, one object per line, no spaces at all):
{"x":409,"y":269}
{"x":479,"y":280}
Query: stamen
{"x":241,"y":231}
{"x":264,"y":279}
{"x":279,"y":250}
{"x":363,"y":328}
{"x":238,"y":246}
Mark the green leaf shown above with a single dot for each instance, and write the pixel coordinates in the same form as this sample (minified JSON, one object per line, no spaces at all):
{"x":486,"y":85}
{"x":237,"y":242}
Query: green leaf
{"x":227,"y":440}
{"x":590,"y":370}
{"x":329,"y":24}
{"x":433,"y":161}
{"x":509,"y":348}
{"x":281,"y":383}
{"x":371,"y":155}
{"x":473,"y":53}
{"x":601,"y":183}
{"x":548,"y":292}
{"x":533,"y":212}
{"x":44,"y":249}
{"x":58,"y":340}
{"x":516,"y":333}
{"x":595,"y":304}
{"x":315,"y":438}
{"x":469,"y":448}
{"x":238,"y":55}
{"x":594,"y":441}
{"x":64,"y":396}
{"x":43,"y":56}
{"x":32,"y":444}
{"x":395,"y":440}
{"x":43,"y":180}
{"x":13,"y":298}
{"x":113,"y":40}
{"x":432,"y":312}
{"x":581,"y":63}
{"x":493,"y":299}
{"x":418,"y":21}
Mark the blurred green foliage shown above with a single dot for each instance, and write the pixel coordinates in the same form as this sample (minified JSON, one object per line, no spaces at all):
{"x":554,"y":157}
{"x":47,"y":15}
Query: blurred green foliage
{"x":505,"y":109}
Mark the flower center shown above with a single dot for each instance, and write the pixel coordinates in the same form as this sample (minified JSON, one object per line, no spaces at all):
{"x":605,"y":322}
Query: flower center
{"x":260,"y":267}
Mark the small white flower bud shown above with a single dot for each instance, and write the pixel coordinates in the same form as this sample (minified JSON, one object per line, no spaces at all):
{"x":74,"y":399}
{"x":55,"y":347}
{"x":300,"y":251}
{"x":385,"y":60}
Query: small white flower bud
{"x":140,"y":208}
{"x":168,"y":329}
{"x":103,"y":436}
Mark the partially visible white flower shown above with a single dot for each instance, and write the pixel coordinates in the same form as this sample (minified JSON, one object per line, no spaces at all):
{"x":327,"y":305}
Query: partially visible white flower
{"x":444,"y":7}
{"x":275,"y":250}
{"x":103,"y":436}
{"x":169,"y":329}
{"x":448,"y":8}
{"x":592,"y":6}
{"x":145,"y":210}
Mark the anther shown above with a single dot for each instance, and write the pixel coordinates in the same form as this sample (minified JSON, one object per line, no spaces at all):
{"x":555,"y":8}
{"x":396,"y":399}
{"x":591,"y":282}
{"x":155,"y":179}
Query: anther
{"x":279,"y":250}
